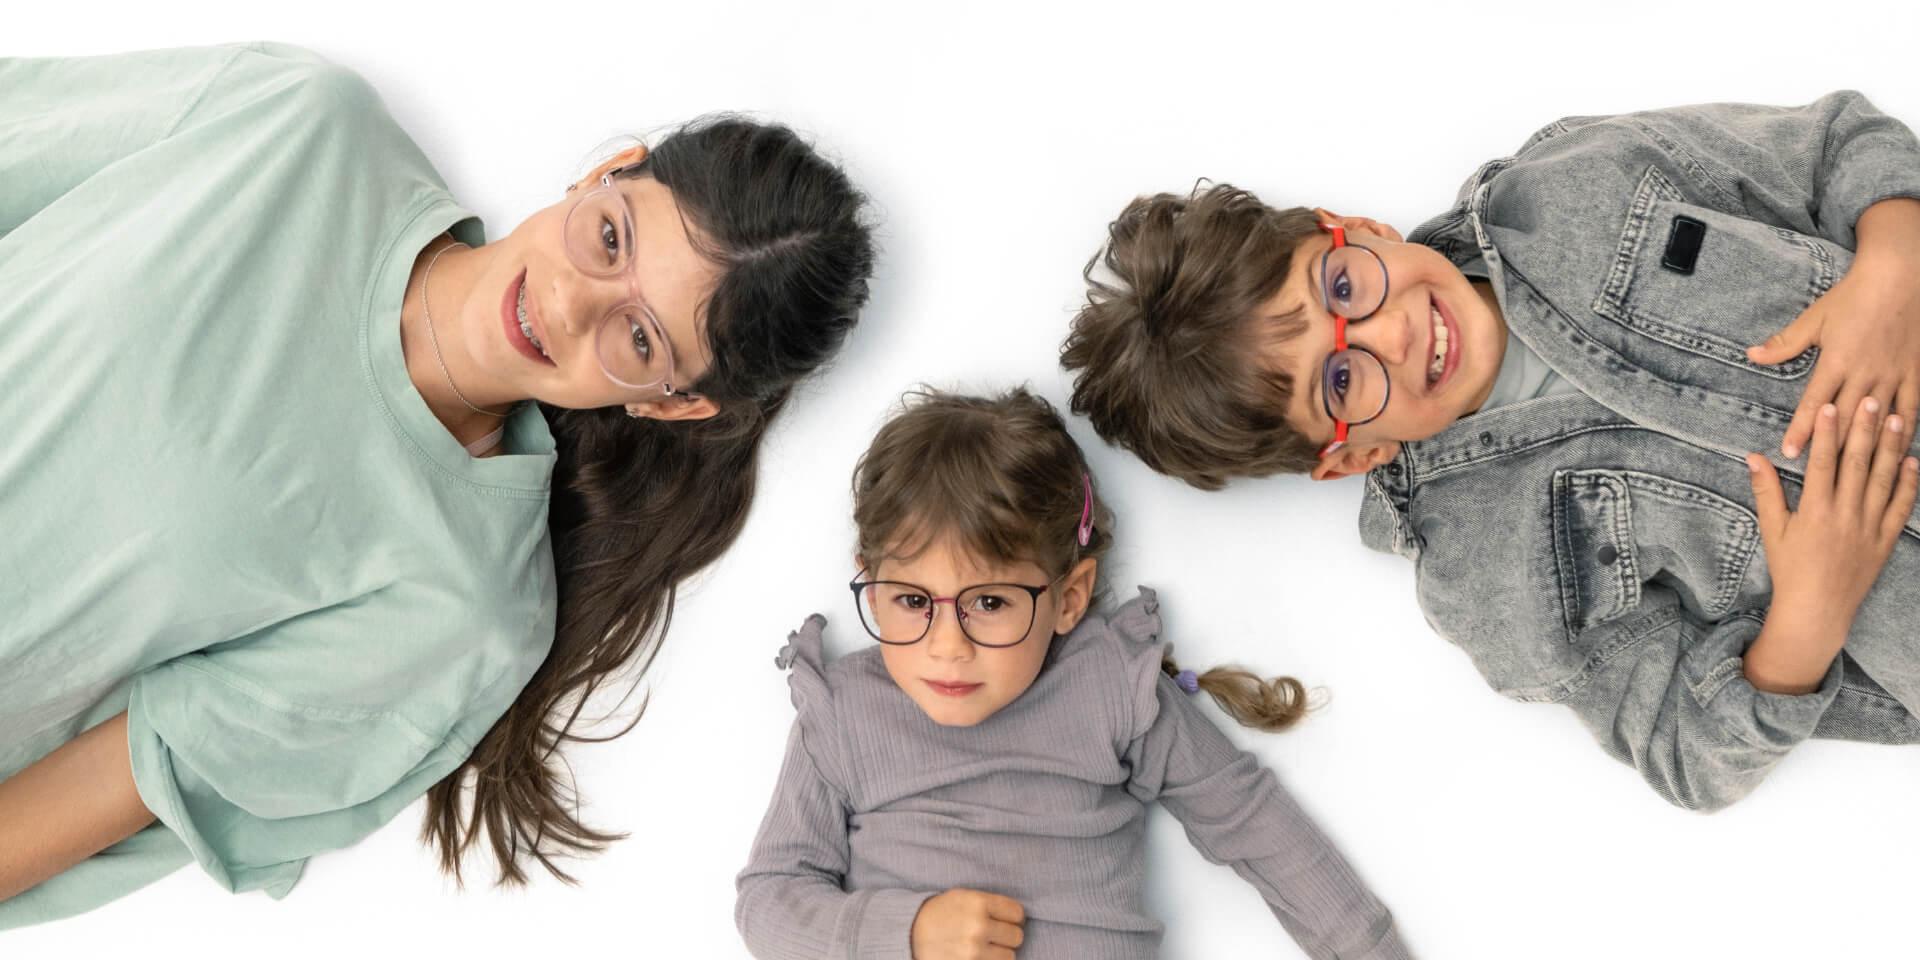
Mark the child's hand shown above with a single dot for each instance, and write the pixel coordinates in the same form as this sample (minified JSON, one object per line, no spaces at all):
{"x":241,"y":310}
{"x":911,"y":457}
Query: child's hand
{"x":1825,"y":555}
{"x":1867,"y":327}
{"x":968,"y":925}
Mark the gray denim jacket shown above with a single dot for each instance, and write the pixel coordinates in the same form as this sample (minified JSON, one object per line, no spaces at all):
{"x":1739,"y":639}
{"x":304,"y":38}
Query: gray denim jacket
{"x":1600,"y":550}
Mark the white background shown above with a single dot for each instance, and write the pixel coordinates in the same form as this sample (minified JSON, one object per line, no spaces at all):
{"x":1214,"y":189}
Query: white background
{"x":997,"y":141}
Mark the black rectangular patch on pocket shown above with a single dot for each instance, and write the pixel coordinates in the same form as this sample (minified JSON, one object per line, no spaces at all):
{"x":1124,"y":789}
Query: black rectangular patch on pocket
{"x":1683,"y":244}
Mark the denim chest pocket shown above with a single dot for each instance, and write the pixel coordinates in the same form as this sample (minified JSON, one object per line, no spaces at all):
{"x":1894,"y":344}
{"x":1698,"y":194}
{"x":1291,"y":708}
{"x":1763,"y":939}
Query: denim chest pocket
{"x":1615,"y":531}
{"x":1736,"y":283}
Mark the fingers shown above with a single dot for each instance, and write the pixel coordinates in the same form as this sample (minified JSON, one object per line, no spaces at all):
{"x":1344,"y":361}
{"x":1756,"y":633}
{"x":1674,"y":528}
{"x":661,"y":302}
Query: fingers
{"x":1821,"y":389}
{"x":1790,"y":342}
{"x":1902,"y":506}
{"x":1821,"y":459}
{"x":1769,"y":501}
{"x":1847,"y":404}
{"x":1856,"y":457}
{"x":1906,"y":403}
{"x":1888,"y":451}
{"x":1005,"y":934}
{"x":1004,"y":909}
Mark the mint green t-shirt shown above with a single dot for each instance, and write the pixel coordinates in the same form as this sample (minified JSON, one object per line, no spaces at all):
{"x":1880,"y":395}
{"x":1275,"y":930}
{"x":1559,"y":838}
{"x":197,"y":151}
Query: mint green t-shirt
{"x":223,"y":507}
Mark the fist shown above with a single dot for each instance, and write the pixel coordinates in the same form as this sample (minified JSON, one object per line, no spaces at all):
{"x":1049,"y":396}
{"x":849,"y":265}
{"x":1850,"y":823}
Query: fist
{"x":968,"y":925}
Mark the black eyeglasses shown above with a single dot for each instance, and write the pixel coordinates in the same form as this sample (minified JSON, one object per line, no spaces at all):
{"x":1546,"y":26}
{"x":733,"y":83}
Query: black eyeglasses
{"x":990,"y":614}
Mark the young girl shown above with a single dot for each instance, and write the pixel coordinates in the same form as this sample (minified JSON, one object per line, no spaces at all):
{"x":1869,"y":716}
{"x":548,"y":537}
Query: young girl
{"x":975,"y":784}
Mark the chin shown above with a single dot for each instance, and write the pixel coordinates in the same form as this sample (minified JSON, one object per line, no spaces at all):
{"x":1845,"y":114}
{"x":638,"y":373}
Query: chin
{"x":949,"y":718}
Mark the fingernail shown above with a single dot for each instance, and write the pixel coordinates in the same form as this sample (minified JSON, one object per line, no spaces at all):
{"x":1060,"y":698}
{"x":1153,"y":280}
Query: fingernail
{"x":1893,"y":424}
{"x":1753,"y":464}
{"x":1913,"y":464}
{"x":1872,"y":405}
{"x":1828,"y":410}
{"x":1790,"y":451}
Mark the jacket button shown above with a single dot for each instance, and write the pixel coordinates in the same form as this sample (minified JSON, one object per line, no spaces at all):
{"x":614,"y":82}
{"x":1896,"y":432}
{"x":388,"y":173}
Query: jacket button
{"x":1393,"y":469}
{"x":1486,"y":437}
{"x":1607,"y":554}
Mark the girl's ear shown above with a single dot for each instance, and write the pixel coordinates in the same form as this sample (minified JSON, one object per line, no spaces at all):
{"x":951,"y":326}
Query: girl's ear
{"x":680,"y":406}
{"x":1076,"y":594}
{"x":1358,"y":225}
{"x":1355,"y":458}
{"x":624,"y":158}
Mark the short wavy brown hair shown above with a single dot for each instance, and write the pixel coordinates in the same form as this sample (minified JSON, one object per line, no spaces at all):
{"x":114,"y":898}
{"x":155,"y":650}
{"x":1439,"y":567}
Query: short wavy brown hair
{"x":1168,"y":350}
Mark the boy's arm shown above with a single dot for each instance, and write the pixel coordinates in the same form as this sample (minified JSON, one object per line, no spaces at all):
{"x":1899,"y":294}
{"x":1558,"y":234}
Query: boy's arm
{"x":1840,"y":169}
{"x":68,"y":806}
{"x":790,"y":902}
{"x":1235,"y":812}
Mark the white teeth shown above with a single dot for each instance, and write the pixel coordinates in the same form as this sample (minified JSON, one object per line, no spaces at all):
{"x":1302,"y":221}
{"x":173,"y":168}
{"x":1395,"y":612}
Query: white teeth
{"x":526,"y":326}
{"x":1440,"y":345}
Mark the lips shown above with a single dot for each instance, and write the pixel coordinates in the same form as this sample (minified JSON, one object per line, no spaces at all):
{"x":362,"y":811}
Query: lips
{"x":952,"y":689}
{"x":510,"y":321}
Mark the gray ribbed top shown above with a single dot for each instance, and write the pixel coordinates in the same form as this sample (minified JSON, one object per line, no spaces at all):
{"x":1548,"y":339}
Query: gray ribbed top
{"x":878,"y":808}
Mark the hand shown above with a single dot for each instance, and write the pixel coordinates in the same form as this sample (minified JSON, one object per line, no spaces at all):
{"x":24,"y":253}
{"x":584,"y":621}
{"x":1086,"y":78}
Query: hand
{"x":1825,"y":555}
{"x":968,"y":925}
{"x":1867,"y":327}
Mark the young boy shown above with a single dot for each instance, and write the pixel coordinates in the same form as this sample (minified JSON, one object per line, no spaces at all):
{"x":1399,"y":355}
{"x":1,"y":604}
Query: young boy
{"x":1551,"y":391}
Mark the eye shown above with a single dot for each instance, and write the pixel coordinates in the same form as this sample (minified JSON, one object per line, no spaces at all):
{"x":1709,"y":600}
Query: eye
{"x":989,"y":603}
{"x":610,"y":240}
{"x":912,"y":601}
{"x":642,"y":344}
{"x":1340,"y":380}
{"x":1340,"y":285}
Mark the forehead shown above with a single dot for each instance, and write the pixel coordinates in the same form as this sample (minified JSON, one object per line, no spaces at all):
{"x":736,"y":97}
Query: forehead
{"x":943,"y":559}
{"x":1297,"y":334}
{"x":675,"y":278}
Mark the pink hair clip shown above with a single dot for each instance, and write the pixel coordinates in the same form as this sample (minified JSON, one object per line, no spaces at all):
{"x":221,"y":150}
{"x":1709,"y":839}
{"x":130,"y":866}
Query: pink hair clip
{"x":1086,"y":510}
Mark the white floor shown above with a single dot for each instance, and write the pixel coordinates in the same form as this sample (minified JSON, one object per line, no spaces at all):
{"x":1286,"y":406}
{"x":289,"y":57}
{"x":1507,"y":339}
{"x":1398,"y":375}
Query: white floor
{"x":998,"y":141}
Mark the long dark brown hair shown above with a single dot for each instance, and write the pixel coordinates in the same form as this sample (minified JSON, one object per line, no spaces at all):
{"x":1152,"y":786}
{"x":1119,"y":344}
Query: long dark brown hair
{"x":639,"y":504}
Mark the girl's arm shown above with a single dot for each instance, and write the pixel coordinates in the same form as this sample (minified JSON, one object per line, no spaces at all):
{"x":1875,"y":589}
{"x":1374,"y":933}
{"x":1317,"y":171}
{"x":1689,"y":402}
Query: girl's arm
{"x":790,"y":902}
{"x":1235,"y":812}
{"x":68,"y":806}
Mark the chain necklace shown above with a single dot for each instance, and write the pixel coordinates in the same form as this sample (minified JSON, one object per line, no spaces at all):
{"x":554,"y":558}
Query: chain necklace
{"x":433,"y":338}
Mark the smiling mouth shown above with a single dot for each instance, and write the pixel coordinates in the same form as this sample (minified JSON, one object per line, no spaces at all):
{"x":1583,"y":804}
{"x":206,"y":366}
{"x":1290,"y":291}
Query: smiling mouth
{"x":526,"y":325}
{"x":1441,"y":342}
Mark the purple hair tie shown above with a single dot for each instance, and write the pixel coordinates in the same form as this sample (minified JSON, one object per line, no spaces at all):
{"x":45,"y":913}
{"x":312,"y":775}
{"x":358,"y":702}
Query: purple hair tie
{"x":1187,"y":681}
{"x":1086,"y":509}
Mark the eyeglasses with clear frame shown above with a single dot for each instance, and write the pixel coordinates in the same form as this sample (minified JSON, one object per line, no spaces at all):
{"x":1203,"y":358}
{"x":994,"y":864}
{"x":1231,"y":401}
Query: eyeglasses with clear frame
{"x":630,"y":342}
{"x":990,"y":614}
{"x":1354,"y":386}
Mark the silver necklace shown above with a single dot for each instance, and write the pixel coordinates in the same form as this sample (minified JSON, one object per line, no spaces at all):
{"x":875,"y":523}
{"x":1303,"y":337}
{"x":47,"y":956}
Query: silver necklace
{"x":426,"y":307}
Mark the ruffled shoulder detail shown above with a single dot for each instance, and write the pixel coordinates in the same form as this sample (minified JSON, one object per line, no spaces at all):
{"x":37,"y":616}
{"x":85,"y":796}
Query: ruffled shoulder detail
{"x":1138,"y":620}
{"x":804,"y":660}
{"x":1134,"y":630}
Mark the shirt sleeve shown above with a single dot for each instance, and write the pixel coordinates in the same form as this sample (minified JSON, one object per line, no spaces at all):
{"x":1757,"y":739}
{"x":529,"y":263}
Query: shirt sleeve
{"x":791,"y":904}
{"x":62,"y":121}
{"x":1672,"y":699}
{"x":1813,"y":169}
{"x":1234,"y":811}
{"x":311,"y":733}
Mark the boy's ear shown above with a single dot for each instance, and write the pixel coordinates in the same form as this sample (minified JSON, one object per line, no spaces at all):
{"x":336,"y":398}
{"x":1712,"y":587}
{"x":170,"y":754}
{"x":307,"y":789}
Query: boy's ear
{"x":1358,"y":224}
{"x":1355,"y":458}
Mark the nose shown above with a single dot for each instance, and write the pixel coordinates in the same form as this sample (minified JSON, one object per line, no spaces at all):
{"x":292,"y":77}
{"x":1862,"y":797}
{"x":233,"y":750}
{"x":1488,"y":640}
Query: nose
{"x":1390,"y":333}
{"x":945,"y":640}
{"x":583,"y":299}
